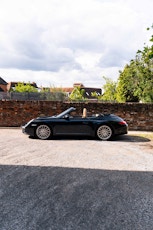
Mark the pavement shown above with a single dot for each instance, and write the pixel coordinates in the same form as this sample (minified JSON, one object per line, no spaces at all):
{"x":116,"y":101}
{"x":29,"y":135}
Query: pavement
{"x":83,"y":184}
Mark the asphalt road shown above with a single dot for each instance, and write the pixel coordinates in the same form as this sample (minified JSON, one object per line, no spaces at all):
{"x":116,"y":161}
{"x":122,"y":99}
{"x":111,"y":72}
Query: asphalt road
{"x":65,"y":184}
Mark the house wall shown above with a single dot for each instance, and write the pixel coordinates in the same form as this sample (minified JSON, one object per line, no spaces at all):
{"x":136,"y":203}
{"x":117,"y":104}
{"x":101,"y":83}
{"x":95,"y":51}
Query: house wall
{"x":3,"y":87}
{"x":139,"y":116}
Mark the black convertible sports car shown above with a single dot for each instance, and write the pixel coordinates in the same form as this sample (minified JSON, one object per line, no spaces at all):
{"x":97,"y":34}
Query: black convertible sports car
{"x":102,"y":126}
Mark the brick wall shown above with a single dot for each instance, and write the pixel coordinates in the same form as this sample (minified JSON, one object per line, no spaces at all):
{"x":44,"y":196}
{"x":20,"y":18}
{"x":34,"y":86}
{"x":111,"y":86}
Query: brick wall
{"x":15,"y":113}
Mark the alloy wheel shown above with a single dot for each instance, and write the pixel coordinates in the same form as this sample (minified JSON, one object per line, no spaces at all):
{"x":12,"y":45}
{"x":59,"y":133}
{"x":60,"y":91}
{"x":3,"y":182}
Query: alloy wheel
{"x":104,"y":132}
{"x":43,"y":132}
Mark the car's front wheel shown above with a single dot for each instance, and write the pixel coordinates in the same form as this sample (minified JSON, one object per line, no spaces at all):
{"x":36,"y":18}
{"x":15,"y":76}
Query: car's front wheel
{"x":104,"y":132}
{"x":43,"y":132}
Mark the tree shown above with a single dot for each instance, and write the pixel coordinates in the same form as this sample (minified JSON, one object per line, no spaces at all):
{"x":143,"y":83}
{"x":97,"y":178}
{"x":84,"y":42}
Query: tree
{"x":128,"y":83}
{"x":145,"y":91}
{"x":77,"y":94}
{"x":109,"y":90}
{"x":135,"y":82}
{"x":22,"y":87}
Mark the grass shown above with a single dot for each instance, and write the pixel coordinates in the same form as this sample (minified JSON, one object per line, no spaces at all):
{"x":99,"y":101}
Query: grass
{"x":148,"y":135}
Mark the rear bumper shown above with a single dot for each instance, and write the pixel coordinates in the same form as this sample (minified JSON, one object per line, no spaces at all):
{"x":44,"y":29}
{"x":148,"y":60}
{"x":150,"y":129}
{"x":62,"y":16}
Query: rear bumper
{"x":121,"y":130}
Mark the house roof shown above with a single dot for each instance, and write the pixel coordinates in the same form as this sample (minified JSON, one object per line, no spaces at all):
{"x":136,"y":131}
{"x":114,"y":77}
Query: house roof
{"x":78,"y":84}
{"x":2,"y":81}
{"x":68,"y":89}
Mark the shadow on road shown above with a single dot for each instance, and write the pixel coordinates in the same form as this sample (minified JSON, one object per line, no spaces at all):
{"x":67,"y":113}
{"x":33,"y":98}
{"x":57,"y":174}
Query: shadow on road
{"x":122,"y":138}
{"x":131,"y":138}
{"x":72,"y":198}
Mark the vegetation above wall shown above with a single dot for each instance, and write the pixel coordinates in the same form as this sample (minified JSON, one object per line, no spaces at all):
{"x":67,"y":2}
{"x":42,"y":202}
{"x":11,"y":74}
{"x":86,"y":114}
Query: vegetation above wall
{"x":22,"y":87}
{"x":135,"y":82}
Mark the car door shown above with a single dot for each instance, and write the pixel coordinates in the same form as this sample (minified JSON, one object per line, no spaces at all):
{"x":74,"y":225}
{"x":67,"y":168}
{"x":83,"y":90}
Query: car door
{"x":73,"y":126}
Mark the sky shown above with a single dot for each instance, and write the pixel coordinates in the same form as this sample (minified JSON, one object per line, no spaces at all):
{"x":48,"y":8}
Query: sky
{"x":62,"y":42}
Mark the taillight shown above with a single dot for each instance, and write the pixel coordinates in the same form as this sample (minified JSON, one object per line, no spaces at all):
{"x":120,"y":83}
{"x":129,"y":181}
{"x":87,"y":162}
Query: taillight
{"x":122,"y":122}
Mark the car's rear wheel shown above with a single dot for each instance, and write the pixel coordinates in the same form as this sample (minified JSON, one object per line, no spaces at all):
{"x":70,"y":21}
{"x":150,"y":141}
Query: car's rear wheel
{"x":104,"y":132}
{"x":43,"y":132}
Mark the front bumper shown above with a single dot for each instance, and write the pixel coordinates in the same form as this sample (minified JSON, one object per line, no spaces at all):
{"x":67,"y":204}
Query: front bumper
{"x":28,"y":130}
{"x":23,"y":129}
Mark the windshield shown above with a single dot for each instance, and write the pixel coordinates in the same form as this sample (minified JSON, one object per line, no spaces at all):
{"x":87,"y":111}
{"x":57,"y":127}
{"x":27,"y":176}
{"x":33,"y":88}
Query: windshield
{"x":65,"y":112}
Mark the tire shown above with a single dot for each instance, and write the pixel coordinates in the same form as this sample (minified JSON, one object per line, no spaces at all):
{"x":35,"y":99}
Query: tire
{"x":43,"y":132}
{"x":104,"y":132}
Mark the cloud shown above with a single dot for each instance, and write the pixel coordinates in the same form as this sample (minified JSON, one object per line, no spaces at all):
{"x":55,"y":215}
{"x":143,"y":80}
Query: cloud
{"x":28,"y":50}
{"x":79,"y":40}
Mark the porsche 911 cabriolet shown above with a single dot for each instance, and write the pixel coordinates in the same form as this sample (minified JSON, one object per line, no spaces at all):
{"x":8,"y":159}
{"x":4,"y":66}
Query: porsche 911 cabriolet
{"x":101,"y":126}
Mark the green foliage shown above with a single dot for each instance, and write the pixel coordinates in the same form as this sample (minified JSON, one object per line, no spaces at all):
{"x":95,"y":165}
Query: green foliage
{"x":22,"y":87}
{"x":109,"y":90}
{"x":128,"y":83}
{"x":95,"y":95}
{"x":135,"y":82}
{"x":77,"y":94}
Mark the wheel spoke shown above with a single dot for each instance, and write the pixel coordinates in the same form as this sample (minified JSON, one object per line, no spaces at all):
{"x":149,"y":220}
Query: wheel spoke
{"x":104,"y":132}
{"x":43,"y":132}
